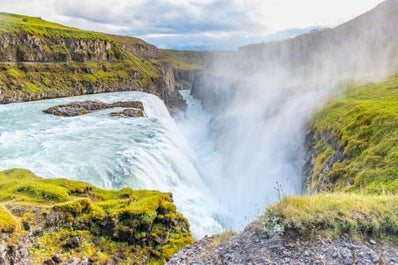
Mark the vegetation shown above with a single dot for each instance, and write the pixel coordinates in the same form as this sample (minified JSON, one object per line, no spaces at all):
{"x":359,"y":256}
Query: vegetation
{"x":13,"y":23}
{"x":334,"y":214}
{"x":219,"y":239}
{"x":365,"y":124}
{"x":186,"y":60}
{"x":78,"y":219}
{"x":355,"y":140}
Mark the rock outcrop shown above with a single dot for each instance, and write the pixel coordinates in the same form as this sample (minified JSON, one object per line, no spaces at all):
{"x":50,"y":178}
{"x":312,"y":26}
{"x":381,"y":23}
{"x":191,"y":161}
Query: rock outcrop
{"x":136,"y":108}
{"x":59,"y":221}
{"x":31,"y":48}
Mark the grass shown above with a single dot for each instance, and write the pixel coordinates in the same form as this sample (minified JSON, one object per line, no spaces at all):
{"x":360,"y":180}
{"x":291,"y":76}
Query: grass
{"x":13,"y":23}
{"x":358,"y":193}
{"x":335,"y":214}
{"x":126,"y":223}
{"x":185,"y":60}
{"x":220,"y":239}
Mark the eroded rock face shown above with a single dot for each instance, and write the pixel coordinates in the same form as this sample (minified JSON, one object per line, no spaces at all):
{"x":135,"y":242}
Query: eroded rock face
{"x":319,"y":180}
{"x":135,"y":108}
{"x":31,"y":48}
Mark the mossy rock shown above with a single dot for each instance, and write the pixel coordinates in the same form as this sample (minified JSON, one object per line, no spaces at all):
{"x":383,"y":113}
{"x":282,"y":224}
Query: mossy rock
{"x":100,"y":222}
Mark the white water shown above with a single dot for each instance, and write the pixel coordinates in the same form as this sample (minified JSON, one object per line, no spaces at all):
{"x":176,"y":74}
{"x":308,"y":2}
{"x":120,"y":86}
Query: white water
{"x":142,"y":153}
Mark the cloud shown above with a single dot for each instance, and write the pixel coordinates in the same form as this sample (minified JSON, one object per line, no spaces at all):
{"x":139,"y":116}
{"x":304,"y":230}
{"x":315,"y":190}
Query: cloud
{"x":198,"y":23}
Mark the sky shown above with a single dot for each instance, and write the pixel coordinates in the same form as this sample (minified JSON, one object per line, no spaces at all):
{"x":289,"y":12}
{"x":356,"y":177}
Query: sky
{"x":195,"y":24}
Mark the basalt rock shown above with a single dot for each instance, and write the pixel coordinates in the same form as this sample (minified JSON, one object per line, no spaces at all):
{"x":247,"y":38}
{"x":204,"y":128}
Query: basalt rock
{"x":128,"y":113}
{"x":84,"y":107}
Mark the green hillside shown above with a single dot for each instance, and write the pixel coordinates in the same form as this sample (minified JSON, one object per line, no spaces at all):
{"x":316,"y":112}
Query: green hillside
{"x":13,"y":23}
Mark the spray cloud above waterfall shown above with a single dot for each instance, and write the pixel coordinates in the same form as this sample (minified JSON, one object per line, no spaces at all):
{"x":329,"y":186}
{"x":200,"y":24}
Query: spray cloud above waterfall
{"x":262,"y":96}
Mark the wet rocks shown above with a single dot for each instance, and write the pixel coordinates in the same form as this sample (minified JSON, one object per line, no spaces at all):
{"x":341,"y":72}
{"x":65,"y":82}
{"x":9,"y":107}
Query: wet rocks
{"x":128,"y":113}
{"x":135,"y":108}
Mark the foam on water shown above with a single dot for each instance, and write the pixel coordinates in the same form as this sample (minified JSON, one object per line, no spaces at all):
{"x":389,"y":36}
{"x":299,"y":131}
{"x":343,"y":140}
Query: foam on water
{"x":142,"y":153}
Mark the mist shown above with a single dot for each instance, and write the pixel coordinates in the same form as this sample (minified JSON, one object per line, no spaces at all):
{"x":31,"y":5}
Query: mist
{"x":262,"y":97}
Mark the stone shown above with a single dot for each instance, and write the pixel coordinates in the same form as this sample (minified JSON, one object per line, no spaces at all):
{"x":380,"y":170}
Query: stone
{"x":84,"y":107}
{"x":73,"y":261}
{"x":375,"y":259}
{"x":128,"y":113}
{"x":49,"y":262}
{"x":2,"y":249}
{"x":38,"y":231}
{"x":25,"y":225}
{"x":347,"y":260}
{"x":57,"y":259}
{"x":73,"y":243}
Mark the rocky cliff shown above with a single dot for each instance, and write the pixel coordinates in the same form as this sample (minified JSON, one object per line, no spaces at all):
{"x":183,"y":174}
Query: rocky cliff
{"x":40,"y":59}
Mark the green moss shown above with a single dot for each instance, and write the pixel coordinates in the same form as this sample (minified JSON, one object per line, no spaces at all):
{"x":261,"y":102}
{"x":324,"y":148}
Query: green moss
{"x":137,"y":226}
{"x":7,"y":221}
{"x":14,"y":73}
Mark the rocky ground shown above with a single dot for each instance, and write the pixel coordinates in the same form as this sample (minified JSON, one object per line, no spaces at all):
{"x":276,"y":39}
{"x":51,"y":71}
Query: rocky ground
{"x":135,"y":108}
{"x":253,"y":247}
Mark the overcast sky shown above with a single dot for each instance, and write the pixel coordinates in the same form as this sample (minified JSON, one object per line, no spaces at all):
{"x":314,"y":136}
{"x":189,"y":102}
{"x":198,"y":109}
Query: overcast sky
{"x":195,"y":24}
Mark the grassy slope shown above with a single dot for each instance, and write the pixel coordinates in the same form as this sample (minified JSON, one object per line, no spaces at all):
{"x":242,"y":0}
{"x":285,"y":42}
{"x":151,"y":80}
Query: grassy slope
{"x":135,"y":226}
{"x":186,"y":60}
{"x":362,"y":190}
{"x":13,"y":23}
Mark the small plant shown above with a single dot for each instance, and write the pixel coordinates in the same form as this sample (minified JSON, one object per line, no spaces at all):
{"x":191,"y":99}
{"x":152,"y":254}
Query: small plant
{"x":279,"y":191}
{"x":273,"y":226}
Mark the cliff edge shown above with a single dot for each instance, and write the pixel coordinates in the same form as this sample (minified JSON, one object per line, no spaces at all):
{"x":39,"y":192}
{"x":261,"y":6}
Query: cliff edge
{"x":41,"y":59}
{"x":59,"y":221}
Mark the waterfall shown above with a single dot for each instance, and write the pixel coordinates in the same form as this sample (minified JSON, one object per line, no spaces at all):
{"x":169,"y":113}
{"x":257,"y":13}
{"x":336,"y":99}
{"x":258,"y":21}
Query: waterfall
{"x":110,"y":152}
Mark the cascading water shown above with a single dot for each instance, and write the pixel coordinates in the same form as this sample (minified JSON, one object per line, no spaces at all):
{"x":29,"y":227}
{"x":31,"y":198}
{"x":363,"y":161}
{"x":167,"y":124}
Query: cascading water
{"x":142,"y":153}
